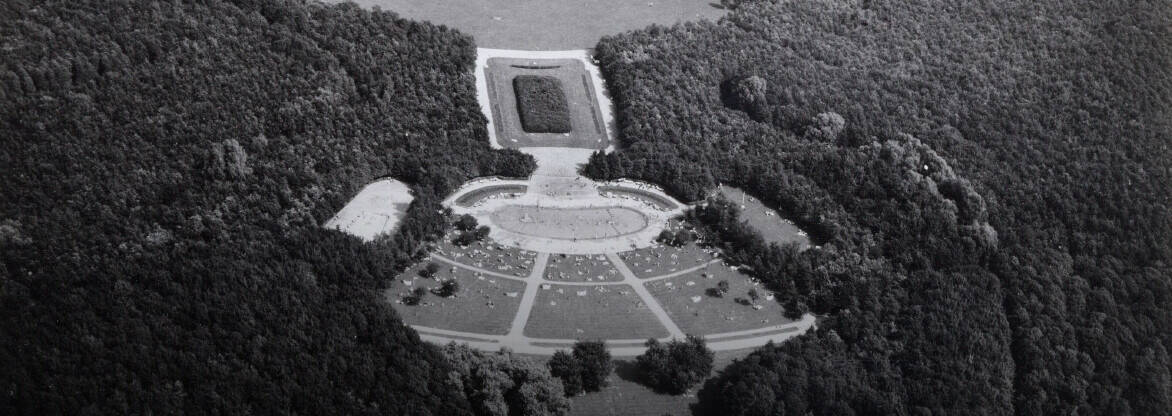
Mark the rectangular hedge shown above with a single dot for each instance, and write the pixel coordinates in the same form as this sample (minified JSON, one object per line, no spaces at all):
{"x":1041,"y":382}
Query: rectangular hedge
{"x":541,"y":104}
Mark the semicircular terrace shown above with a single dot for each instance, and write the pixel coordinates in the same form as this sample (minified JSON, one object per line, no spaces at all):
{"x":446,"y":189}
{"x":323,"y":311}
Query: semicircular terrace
{"x":509,"y":298}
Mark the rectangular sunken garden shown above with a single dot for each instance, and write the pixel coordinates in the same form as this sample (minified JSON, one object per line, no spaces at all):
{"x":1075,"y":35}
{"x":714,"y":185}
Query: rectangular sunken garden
{"x":581,"y":312}
{"x":523,"y":96}
{"x":541,"y":103}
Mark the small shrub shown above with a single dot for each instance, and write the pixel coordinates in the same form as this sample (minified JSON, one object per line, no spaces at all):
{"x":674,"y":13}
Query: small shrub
{"x":415,"y":297}
{"x":676,"y":239}
{"x":722,"y":286}
{"x":743,"y":301}
{"x":448,"y":288}
{"x":429,"y":271}
{"x":753,"y":295}
{"x":675,"y":366}
{"x":466,"y":223}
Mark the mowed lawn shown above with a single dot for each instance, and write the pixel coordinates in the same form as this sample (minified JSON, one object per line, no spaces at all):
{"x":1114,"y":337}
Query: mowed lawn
{"x":547,"y":24}
{"x":662,"y":259}
{"x":625,"y":396}
{"x":484,"y":304}
{"x":767,"y":222}
{"x":580,"y":268}
{"x":696,"y":312}
{"x":489,"y":256}
{"x":591,"y":312}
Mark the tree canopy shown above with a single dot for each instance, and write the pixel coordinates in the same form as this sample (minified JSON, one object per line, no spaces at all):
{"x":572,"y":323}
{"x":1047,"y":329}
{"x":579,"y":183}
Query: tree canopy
{"x":987,"y":184}
{"x":165,"y":168}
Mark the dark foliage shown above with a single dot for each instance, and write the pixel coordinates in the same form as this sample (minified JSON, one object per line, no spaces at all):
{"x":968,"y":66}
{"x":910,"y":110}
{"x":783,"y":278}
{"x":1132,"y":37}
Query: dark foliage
{"x":541,"y":104}
{"x":448,"y":288}
{"x":504,"y":384}
{"x":594,"y":361}
{"x":585,"y":369}
{"x":165,"y":168}
{"x":675,"y":366}
{"x":466,"y":223}
{"x":678,"y":238}
{"x":566,"y":368}
{"x":987,"y":181}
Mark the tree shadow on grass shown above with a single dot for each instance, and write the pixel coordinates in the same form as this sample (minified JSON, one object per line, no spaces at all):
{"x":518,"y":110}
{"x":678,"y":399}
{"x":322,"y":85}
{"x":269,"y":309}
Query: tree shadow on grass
{"x":627,"y":370}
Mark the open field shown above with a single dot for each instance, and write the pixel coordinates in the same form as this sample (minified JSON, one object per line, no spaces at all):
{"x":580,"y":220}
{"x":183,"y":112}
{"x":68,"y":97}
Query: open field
{"x":581,"y":268}
{"x":484,"y":304}
{"x":587,"y":125}
{"x":608,"y":312}
{"x":768,"y":222}
{"x":662,"y":259}
{"x":375,"y":211}
{"x":686,"y":301}
{"x":489,"y":255}
{"x":626,"y":397}
{"x":547,"y":25}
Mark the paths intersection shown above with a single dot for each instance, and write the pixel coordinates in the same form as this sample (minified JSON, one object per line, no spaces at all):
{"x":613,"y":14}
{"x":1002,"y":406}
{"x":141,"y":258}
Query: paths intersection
{"x":517,"y":341}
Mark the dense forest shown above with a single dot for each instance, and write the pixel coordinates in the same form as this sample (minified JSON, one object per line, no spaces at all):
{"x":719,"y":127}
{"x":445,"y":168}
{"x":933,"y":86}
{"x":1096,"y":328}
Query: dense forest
{"x":989,"y":184}
{"x":164,"y":169}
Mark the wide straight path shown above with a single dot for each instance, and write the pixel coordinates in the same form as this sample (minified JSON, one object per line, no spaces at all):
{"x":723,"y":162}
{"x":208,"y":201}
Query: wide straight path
{"x":652,"y":304}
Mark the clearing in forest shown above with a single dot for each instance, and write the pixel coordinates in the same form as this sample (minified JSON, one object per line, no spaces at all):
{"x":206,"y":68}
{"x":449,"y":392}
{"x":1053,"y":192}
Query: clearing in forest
{"x":544,"y":95}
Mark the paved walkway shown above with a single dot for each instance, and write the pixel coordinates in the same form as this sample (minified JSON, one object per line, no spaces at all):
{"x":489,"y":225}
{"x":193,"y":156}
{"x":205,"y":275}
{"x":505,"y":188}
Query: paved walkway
{"x":556,"y":183}
{"x":517,"y":341}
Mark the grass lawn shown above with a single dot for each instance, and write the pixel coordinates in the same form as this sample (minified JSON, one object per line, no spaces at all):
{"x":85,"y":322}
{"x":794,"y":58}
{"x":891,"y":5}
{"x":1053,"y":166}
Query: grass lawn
{"x":661,"y":259}
{"x":587,"y":129}
{"x":483,"y":304}
{"x":548,"y":24}
{"x":581,"y":268}
{"x":489,"y":255}
{"x":625,"y":396}
{"x":767,"y":222}
{"x":607,"y":312}
{"x":541,"y":103}
{"x":686,"y":301}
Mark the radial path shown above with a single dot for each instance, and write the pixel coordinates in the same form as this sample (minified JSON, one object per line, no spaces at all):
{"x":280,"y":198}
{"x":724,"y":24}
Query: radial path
{"x":516,"y":340}
{"x":560,"y":211}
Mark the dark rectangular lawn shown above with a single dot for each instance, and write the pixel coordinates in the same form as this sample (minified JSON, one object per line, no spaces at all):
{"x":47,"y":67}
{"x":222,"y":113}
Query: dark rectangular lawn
{"x":541,"y":104}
